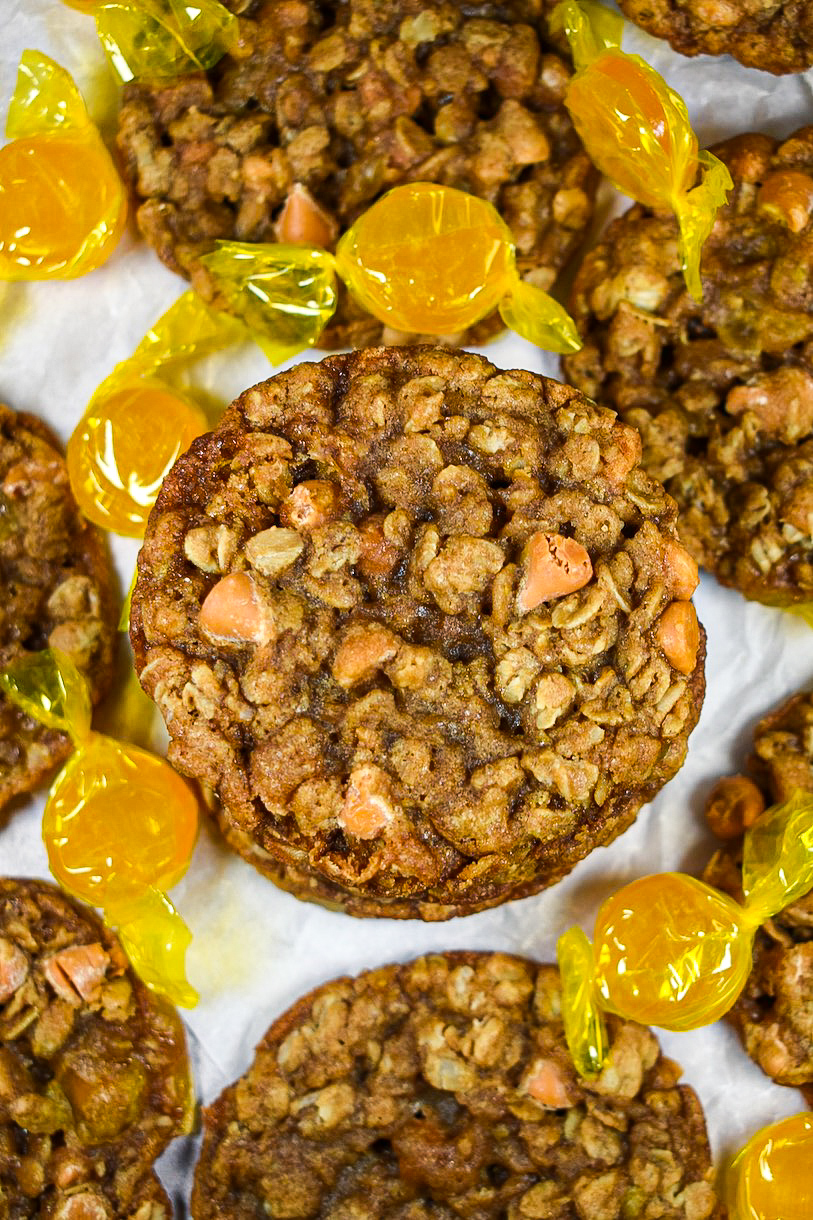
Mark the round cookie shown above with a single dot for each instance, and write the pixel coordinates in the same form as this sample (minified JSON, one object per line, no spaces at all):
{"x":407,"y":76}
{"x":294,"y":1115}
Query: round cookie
{"x":56,"y":589}
{"x":774,"y":1014}
{"x":777,"y":38}
{"x":721,"y":390}
{"x":347,"y":100}
{"x":444,"y":1088}
{"x":423,"y":625}
{"x":94,"y":1080}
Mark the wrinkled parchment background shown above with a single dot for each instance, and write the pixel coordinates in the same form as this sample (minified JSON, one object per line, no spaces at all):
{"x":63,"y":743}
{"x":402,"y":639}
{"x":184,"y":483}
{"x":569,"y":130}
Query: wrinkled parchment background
{"x":257,"y":949}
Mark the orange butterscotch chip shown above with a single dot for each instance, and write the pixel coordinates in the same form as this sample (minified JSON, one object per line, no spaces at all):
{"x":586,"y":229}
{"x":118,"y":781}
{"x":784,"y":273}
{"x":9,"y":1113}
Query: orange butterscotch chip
{"x":678,"y":634}
{"x":554,"y":566}
{"x":367,"y":807}
{"x":234,"y":611}
{"x":302,"y":220}
{"x":547,"y":1085}
{"x":310,"y":504}
{"x":788,"y":196}
{"x":681,"y":570}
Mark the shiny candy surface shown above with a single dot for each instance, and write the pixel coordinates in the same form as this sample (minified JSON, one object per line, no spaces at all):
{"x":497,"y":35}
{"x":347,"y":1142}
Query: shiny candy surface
{"x":429,"y":259}
{"x":53,"y":223}
{"x":772,"y":1177}
{"x":637,"y":131}
{"x":670,"y":951}
{"x":119,"y":824}
{"x":122,"y":449}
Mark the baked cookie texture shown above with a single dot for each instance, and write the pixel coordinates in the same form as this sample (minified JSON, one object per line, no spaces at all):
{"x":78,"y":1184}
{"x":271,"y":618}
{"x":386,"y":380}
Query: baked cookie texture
{"x":423,"y":625}
{"x":777,"y":38}
{"x":444,"y":1088}
{"x":348,"y":99}
{"x":774,"y":1014}
{"x":56,"y":589}
{"x":721,"y":390}
{"x":94,"y":1080}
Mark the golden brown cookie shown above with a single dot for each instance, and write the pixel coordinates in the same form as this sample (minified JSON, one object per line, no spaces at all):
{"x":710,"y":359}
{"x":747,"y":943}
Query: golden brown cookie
{"x":94,"y":1079}
{"x":444,"y":1088}
{"x":324,"y":106}
{"x":721,"y":389}
{"x":423,"y":625}
{"x":56,"y":589}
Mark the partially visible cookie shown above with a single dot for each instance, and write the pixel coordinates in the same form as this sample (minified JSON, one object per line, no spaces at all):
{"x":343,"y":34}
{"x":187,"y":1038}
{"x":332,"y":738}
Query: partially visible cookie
{"x":777,"y":38}
{"x":56,"y":589}
{"x":326,"y":105}
{"x":444,"y":1088}
{"x":423,"y":625}
{"x":722,"y":389}
{"x":94,"y":1079}
{"x":774,"y":1014}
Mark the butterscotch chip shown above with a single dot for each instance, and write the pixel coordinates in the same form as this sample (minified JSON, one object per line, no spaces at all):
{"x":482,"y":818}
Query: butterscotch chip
{"x":94,"y":1079}
{"x":55,"y":590}
{"x":444,"y":1087}
{"x":721,"y":389}
{"x":392,"y":721}
{"x":323,"y":107}
{"x":774,"y":1014}
{"x":777,"y":38}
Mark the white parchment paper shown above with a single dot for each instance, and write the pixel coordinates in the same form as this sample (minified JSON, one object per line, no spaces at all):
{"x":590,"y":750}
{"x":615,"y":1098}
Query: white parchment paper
{"x":255,"y":948}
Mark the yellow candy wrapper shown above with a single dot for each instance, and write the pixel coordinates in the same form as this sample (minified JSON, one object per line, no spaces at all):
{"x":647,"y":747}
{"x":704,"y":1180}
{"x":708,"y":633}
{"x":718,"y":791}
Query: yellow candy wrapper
{"x":119,"y":824}
{"x":62,"y":203}
{"x":637,"y":130}
{"x":424,"y":258}
{"x":670,"y":950}
{"x":136,"y":425}
{"x":158,"y":39}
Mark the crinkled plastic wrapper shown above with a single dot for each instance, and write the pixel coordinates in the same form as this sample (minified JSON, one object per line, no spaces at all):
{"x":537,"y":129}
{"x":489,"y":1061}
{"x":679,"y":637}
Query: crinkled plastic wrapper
{"x":62,"y":203}
{"x":637,"y":130}
{"x":119,"y":823}
{"x":675,"y":952}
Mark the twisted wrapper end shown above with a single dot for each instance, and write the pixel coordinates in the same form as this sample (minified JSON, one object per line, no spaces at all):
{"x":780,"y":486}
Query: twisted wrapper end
{"x":585,"y":1027}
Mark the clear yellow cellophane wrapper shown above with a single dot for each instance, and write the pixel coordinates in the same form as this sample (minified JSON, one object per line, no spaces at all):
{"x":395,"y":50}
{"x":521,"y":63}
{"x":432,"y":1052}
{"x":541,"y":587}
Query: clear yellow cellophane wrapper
{"x":119,"y":824}
{"x":137,"y":424}
{"x":62,"y":203}
{"x":670,"y":950}
{"x":637,"y":130}
{"x":389,"y":260}
{"x":158,"y":39}
{"x":771,"y":1178}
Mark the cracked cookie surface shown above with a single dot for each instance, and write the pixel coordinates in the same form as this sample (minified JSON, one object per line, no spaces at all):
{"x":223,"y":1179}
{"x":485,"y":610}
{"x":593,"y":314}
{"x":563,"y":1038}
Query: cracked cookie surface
{"x":94,"y":1080}
{"x":722,"y":389}
{"x":444,"y":1088}
{"x":774,"y":1014}
{"x":423,"y":625}
{"x":55,"y":590}
{"x":777,"y":38}
{"x":324,"y":106}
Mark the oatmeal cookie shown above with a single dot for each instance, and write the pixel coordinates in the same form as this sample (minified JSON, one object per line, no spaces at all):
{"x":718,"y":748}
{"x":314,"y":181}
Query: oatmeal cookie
{"x":56,"y":588}
{"x":774,"y":1014}
{"x":324,"y":106}
{"x":444,"y":1088}
{"x":777,"y":38}
{"x":94,"y":1080}
{"x":424,"y":625}
{"x":721,"y":390}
